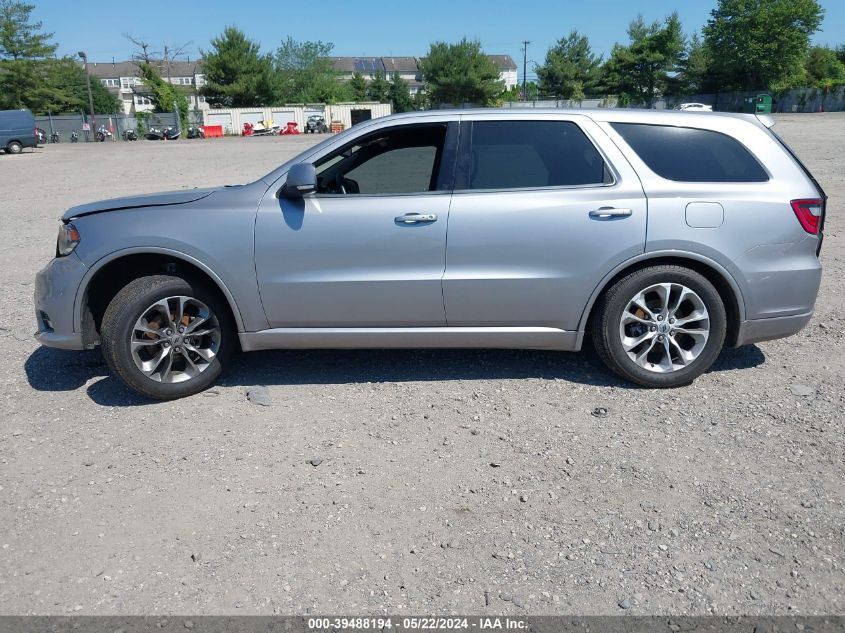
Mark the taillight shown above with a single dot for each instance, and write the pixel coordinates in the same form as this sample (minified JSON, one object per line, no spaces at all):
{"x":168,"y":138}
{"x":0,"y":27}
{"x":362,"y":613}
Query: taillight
{"x":809,"y":213}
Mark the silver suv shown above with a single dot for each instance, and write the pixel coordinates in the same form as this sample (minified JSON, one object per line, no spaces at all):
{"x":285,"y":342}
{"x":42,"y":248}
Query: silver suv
{"x":662,"y":235}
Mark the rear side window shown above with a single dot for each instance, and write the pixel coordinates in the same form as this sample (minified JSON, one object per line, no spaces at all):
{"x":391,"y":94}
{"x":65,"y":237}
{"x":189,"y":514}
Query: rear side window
{"x":691,"y":155}
{"x":523,"y":154}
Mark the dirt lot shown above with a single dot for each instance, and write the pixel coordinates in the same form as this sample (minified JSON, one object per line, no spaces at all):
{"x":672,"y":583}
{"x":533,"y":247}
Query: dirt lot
{"x":462,"y":481}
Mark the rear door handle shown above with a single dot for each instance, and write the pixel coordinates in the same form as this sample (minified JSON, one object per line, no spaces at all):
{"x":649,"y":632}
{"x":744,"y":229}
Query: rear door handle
{"x":606,"y":213}
{"x":415,"y":218}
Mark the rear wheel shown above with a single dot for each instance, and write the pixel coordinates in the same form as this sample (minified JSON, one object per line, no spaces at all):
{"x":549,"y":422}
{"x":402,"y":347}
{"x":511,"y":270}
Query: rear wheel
{"x":14,"y":147}
{"x":166,"y":337}
{"x":661,"y":326}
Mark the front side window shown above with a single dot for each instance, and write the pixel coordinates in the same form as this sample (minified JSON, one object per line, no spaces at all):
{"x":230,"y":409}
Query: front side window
{"x":529,"y":154}
{"x":393,"y":161}
{"x":690,"y":154}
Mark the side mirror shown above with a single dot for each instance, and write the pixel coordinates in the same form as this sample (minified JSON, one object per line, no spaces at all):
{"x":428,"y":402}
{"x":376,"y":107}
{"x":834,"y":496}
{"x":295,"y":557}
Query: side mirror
{"x":301,"y":180}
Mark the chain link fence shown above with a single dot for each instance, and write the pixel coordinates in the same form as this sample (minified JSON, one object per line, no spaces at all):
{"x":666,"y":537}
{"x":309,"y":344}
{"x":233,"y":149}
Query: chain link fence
{"x":803,"y":100}
{"x":65,"y":124}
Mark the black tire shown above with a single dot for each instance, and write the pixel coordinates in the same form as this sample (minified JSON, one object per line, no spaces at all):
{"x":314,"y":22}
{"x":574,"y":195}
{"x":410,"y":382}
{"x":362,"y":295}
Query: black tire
{"x":126,"y":308}
{"x":14,"y":147}
{"x":607,"y":316}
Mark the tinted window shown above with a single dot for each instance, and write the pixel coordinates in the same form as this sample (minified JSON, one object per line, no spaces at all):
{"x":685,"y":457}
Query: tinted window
{"x":401,"y":170}
{"x":691,"y":155}
{"x":517,"y":154}
{"x":398,"y":160}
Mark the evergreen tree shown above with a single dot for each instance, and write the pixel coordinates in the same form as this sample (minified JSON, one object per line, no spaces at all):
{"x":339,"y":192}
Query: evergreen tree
{"x":23,"y":49}
{"x":640,"y":71}
{"x":399,"y":94}
{"x":20,"y":38}
{"x":237,"y":74}
{"x":570,"y":68}
{"x":358,"y":86}
{"x":460,"y":73}
{"x":379,"y":88}
{"x":305,"y":73}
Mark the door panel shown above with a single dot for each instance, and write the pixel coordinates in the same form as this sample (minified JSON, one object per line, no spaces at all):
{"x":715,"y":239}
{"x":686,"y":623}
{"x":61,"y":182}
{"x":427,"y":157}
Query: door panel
{"x":369,"y":248}
{"x":347,"y":262}
{"x":532,"y":257}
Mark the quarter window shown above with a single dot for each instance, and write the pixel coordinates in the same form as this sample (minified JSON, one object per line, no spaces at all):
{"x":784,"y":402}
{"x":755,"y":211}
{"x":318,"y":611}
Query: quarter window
{"x":691,"y":155}
{"x":526,"y":154}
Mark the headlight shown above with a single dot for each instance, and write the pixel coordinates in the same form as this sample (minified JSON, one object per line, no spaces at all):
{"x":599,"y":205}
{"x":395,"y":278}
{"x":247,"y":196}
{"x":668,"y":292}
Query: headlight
{"x":67,"y":241}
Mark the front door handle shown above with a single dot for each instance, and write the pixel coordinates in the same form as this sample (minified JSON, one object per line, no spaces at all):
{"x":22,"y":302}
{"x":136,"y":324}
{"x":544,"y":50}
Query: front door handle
{"x":607,"y":213}
{"x":415,"y":218}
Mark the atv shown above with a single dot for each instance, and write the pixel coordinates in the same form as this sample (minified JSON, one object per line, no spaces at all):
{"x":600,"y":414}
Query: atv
{"x":316,"y":124}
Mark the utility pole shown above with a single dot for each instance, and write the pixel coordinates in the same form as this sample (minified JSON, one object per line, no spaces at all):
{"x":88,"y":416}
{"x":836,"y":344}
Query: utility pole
{"x":525,"y":44}
{"x":167,"y":64}
{"x":84,"y":58}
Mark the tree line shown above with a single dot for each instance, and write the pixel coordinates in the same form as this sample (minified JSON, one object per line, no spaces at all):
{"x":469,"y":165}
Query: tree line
{"x":745,"y":45}
{"x":237,"y":74}
{"x":31,"y":76}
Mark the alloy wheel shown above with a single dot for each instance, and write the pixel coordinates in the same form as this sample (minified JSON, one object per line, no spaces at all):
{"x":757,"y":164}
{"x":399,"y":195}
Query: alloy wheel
{"x":175,"y":339}
{"x":664,"y":327}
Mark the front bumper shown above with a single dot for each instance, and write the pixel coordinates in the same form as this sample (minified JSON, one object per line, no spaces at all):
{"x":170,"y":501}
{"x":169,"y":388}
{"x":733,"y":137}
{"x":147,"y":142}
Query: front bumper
{"x":56,"y":286}
{"x":758,"y":330}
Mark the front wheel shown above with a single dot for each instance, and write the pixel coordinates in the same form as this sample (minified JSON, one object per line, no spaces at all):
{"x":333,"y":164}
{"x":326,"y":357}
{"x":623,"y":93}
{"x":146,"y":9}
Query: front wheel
{"x":166,"y":337}
{"x":661,"y":326}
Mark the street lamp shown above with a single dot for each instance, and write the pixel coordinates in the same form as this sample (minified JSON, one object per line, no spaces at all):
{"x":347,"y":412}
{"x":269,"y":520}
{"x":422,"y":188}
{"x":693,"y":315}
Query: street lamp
{"x":84,"y":58}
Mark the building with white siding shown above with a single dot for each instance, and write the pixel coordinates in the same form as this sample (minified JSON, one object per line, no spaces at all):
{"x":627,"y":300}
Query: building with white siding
{"x":409,"y":69}
{"x":123,"y":79}
{"x":507,"y":69}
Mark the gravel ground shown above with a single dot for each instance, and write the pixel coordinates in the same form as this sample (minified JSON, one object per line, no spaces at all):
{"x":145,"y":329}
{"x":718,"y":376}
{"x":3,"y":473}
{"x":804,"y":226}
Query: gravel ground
{"x":407,"y":481}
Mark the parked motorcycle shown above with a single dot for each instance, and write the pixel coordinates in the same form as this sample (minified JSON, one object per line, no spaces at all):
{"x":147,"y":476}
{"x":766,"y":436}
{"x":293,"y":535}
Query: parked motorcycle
{"x":130,"y":135}
{"x":154,"y":134}
{"x":54,"y":137}
{"x":196,"y":132}
{"x":103,"y":133}
{"x":170,"y":134}
{"x":42,"y":136}
{"x":74,"y":137}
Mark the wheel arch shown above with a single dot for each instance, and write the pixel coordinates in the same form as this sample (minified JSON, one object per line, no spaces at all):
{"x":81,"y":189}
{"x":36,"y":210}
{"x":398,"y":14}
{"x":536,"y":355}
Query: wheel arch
{"x":727,"y":287}
{"x":112,"y":272}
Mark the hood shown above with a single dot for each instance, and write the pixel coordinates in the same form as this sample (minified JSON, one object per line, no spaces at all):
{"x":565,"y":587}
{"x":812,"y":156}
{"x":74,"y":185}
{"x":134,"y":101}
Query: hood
{"x":134,"y":202}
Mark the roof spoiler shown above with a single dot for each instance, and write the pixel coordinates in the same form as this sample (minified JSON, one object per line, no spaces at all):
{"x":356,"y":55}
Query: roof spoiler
{"x":766,"y":120}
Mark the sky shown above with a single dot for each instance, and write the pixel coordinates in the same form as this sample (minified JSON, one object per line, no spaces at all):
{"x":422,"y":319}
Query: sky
{"x":369,"y":27}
